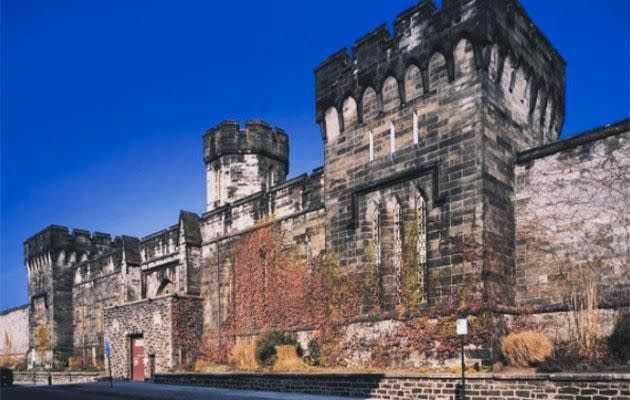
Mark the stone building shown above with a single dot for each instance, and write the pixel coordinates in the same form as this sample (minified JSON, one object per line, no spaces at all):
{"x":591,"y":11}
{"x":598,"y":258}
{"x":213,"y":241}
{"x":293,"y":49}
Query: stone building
{"x":451,"y":122}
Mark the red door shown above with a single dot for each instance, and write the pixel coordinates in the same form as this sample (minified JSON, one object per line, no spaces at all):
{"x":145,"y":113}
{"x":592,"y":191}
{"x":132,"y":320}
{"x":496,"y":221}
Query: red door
{"x":137,"y":359}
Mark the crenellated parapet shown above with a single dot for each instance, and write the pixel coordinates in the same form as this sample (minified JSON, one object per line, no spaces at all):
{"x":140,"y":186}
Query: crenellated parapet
{"x":124,"y":251}
{"x":258,"y":137}
{"x":240,"y":161}
{"x":56,"y":245}
{"x":297,"y":196}
{"x":502,"y":37}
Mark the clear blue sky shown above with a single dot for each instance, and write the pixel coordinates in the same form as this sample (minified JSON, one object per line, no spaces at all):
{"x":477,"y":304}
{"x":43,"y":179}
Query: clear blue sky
{"x":104,"y":102}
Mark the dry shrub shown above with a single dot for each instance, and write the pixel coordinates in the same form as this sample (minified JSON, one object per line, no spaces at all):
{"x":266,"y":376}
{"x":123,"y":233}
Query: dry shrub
{"x":523,"y":349}
{"x":287,"y":359}
{"x":202,"y":365}
{"x":243,"y":356}
{"x":75,"y":363}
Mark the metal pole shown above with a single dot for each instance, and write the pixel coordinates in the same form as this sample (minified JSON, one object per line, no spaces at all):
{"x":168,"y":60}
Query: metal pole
{"x":109,"y":364}
{"x":463,"y":369}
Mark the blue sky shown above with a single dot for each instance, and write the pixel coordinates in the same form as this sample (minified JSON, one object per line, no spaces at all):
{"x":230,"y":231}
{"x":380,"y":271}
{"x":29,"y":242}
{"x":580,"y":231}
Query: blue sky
{"x":104,"y":103}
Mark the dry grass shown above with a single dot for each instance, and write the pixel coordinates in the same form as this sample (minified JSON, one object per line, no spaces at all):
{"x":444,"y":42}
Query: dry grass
{"x":208,"y":366}
{"x":243,"y":356}
{"x":288,"y":360}
{"x":523,"y":349}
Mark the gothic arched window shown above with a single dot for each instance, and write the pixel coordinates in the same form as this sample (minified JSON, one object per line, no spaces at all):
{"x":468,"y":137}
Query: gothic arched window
{"x":421,"y":242}
{"x":398,"y":233}
{"x":378,"y":238}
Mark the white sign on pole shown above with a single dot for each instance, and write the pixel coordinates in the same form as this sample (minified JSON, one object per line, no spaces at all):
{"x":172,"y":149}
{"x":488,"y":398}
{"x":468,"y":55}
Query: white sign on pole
{"x":462,"y":326}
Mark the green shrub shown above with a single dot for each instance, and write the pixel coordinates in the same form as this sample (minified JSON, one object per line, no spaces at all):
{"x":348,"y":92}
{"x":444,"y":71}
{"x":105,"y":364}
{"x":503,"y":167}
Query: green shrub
{"x":266,"y":346}
{"x":619,"y":340}
{"x":313,"y":352}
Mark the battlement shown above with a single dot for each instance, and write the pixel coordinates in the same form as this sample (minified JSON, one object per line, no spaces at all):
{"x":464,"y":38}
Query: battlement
{"x":124,"y":247}
{"x":424,"y":30}
{"x":258,"y":137}
{"x":54,"y":238}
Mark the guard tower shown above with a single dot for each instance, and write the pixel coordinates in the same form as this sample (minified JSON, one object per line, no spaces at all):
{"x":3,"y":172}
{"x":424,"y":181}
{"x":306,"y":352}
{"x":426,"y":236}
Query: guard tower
{"x":240,"y":162}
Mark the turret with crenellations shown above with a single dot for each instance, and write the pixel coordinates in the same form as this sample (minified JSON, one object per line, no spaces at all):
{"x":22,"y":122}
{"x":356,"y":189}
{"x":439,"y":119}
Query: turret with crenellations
{"x":240,"y":162}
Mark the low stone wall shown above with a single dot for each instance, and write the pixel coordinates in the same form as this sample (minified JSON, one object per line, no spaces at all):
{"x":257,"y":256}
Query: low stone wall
{"x":413,"y":386}
{"x":58,"y":378}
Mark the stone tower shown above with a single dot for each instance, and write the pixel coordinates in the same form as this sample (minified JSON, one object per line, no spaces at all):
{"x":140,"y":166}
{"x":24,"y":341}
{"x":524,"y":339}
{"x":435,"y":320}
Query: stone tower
{"x":240,"y":162}
{"x":421,"y":127}
{"x":50,"y":258}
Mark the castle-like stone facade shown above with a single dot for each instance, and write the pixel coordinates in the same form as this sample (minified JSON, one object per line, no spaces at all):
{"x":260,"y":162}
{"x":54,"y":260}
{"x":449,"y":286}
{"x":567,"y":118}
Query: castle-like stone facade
{"x":451,"y":123}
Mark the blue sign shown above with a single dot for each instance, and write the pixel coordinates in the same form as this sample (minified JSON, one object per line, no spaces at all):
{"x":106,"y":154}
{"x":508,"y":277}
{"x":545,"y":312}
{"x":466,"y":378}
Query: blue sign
{"x":108,"y":349}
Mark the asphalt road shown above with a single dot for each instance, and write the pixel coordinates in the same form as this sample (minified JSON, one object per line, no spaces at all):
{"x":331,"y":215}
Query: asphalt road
{"x":143,"y":391}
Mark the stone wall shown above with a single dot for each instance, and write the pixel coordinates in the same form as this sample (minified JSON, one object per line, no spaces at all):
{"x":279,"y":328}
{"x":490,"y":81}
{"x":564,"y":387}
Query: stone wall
{"x":170,"y":326}
{"x":573,"y":220}
{"x":51,"y":257}
{"x":14,"y":331}
{"x":393,"y":386}
{"x":58,"y":378}
{"x":296,"y":205}
{"x":425,"y":108}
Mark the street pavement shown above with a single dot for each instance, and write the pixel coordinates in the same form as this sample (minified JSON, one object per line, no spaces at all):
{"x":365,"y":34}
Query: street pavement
{"x":144,"y":391}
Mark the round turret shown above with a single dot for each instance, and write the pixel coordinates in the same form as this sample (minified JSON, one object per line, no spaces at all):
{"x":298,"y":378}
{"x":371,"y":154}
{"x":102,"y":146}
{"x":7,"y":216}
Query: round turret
{"x":240,"y":162}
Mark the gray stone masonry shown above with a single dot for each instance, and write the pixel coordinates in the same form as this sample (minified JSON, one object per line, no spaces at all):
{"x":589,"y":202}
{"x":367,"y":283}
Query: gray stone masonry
{"x":449,"y":125}
{"x":392,"y":386}
{"x":171,"y":327}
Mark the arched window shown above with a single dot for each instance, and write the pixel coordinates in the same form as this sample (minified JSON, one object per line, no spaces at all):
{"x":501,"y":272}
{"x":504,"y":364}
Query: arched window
{"x":421,"y":243}
{"x":332,"y":124}
{"x":165,"y":287}
{"x":374,"y":220}
{"x":378,"y":238}
{"x":398,"y":234}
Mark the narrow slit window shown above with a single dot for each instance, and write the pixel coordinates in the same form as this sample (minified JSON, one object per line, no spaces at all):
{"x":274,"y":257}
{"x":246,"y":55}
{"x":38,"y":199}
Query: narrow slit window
{"x":217,"y":185}
{"x":392,"y":138}
{"x":416,"y":139}
{"x":371,"y":146}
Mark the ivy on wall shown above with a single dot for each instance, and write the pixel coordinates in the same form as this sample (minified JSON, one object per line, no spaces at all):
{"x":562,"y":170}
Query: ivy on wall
{"x":274,"y":286}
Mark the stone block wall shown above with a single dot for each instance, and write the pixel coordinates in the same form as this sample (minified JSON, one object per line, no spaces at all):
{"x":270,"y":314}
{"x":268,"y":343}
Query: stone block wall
{"x":51,"y":257}
{"x":58,"y":378}
{"x":296,"y":205}
{"x":573,"y":220}
{"x":14,"y":331}
{"x":90,"y":298}
{"x":414,"y":386}
{"x":427,"y":102}
{"x":170,"y":327}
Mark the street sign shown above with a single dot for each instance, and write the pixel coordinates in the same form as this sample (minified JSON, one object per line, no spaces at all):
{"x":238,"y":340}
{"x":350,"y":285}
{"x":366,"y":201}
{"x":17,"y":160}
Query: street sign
{"x":108,"y":349}
{"x":462,"y":326}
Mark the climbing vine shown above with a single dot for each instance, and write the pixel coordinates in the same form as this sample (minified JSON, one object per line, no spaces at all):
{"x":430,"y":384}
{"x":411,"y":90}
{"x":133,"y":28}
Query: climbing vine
{"x":276,"y":286}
